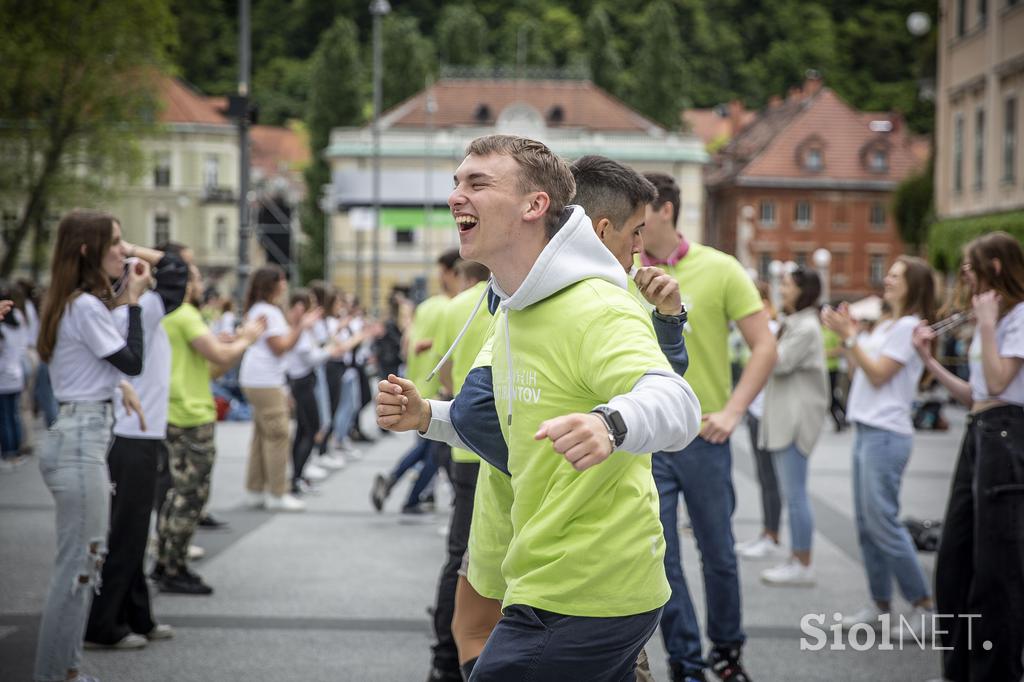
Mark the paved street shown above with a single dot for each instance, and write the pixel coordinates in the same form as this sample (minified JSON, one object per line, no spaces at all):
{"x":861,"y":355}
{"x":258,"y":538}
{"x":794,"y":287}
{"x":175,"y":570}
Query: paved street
{"x":341,"y":592}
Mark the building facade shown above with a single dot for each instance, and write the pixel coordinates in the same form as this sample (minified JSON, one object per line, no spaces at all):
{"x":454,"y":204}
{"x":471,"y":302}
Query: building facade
{"x":423,"y":140}
{"x":810,"y":172}
{"x":979,"y":166}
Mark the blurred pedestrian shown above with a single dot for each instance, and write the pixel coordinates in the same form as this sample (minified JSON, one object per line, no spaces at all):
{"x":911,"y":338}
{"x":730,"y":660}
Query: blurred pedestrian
{"x":796,"y":402}
{"x":87,"y":353}
{"x":886,"y":373}
{"x":979,"y":572}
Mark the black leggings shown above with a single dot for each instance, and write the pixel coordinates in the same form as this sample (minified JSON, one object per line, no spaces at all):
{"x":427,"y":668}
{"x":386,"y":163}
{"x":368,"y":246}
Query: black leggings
{"x":980,"y":565}
{"x":307,"y":421}
{"x":333,"y":371}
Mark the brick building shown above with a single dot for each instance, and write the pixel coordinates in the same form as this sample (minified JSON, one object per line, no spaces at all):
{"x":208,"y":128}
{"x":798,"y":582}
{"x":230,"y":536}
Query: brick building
{"x":812,"y":172}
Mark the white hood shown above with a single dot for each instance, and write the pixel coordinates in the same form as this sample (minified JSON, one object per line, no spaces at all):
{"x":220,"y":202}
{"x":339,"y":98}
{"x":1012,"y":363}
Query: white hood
{"x":575,"y":253}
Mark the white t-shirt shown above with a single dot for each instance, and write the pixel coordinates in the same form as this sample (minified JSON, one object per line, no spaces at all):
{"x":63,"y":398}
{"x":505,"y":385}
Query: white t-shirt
{"x":888,"y":406}
{"x":12,"y":350}
{"x":225,"y":323}
{"x":260,"y":367}
{"x":154,"y":383}
{"x":33,"y":323}
{"x":1010,"y":341}
{"x":757,"y":404}
{"x":305,"y":356}
{"x":86,"y":334}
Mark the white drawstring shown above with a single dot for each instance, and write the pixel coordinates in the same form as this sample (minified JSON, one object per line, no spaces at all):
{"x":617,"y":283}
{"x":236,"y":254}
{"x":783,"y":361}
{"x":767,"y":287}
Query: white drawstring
{"x":511,"y":377}
{"x":462,"y":333}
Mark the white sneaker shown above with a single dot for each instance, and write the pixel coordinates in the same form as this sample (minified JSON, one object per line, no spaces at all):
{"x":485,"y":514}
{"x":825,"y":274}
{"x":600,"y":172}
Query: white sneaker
{"x":916,"y":625}
{"x":331,"y":461}
{"x":255,"y":500}
{"x":869,"y":615}
{"x":761,"y":548}
{"x":314,"y":472}
{"x":285,"y":503}
{"x":195,"y":552}
{"x":790,"y":574}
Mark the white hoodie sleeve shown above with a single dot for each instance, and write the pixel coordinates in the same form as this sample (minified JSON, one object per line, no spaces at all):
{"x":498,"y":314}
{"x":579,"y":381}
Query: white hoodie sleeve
{"x":662,"y":413}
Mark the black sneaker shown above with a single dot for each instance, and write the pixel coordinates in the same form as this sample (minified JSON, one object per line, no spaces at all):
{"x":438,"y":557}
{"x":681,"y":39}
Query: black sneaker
{"x":680,"y":674}
{"x":380,"y":491}
{"x":725,"y":663}
{"x":184,"y":583}
{"x":158,"y":573}
{"x":209,"y":522}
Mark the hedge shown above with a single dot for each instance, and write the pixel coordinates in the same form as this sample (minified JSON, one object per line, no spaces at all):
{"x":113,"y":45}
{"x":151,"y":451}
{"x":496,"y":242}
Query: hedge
{"x":947,"y":238}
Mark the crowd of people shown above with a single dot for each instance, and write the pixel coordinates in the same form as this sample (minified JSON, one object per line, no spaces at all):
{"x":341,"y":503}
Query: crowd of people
{"x":573,"y":381}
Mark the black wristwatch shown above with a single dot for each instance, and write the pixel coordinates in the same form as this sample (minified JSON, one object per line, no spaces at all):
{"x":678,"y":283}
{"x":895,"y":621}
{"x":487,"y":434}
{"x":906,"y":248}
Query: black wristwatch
{"x":615,"y":423}
{"x":673,"y":319}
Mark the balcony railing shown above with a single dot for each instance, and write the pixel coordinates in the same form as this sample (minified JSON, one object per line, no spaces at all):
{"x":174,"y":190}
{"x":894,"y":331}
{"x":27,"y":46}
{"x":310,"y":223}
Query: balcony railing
{"x":213,"y":194}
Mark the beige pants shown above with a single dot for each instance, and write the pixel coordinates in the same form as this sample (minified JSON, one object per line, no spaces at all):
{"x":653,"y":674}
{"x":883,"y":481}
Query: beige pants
{"x":268,"y":452}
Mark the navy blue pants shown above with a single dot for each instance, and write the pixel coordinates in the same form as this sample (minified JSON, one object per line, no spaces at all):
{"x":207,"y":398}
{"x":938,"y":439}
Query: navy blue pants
{"x":533,"y":645}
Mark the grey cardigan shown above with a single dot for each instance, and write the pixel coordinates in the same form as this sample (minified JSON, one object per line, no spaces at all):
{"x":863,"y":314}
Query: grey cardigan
{"x":796,"y":396}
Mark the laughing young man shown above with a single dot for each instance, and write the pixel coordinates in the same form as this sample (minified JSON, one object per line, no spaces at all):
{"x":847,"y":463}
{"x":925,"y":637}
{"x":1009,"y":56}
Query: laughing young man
{"x":578,"y":384}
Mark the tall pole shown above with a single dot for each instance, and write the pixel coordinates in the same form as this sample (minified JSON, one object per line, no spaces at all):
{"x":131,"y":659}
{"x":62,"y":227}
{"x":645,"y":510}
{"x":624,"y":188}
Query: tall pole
{"x":243,"y":149}
{"x":378,"y":8}
{"x":428,"y":198}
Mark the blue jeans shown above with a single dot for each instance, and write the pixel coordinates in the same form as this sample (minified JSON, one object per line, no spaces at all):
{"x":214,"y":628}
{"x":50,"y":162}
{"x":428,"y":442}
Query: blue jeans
{"x":879,"y":459}
{"x":792,"y":467}
{"x":348,"y":404}
{"x":702,"y":473}
{"x":10,"y":425}
{"x":73,"y":460}
{"x":423,"y":451}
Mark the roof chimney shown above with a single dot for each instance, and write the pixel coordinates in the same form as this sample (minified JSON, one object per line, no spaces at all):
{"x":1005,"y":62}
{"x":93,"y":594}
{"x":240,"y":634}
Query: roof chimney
{"x":795,"y":94}
{"x":774,"y":102}
{"x":735,"y":117}
{"x":812,"y":83}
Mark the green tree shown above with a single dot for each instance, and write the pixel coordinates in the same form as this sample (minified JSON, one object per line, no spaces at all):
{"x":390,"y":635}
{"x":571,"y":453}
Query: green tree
{"x":71,"y":77}
{"x":912,"y":207}
{"x":462,"y":36}
{"x":281,"y":89}
{"x":409,"y":59}
{"x":659,"y":72}
{"x":336,"y":98}
{"x":603,"y":57}
{"x":207,"y":46}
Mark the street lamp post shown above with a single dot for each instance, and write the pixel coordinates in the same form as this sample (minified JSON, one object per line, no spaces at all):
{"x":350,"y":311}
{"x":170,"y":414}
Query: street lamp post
{"x":378,"y":8}
{"x":822,"y":260}
{"x":243,"y":149}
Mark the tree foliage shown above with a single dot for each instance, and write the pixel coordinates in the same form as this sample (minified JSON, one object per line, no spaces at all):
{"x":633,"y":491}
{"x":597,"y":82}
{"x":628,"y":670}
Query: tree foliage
{"x":912,"y":207}
{"x":72,"y":77}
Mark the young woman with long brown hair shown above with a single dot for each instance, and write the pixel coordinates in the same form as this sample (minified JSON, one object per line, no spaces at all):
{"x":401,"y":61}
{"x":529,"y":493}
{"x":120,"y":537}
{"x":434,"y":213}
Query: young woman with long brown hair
{"x":886,"y":373}
{"x":980,"y":565}
{"x":263,"y":379}
{"x":86,"y":352}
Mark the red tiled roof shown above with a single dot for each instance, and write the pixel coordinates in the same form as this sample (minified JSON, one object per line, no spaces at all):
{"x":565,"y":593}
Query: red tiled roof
{"x":584,"y":105}
{"x":274,"y":147}
{"x":712,"y":125}
{"x":183,"y":104}
{"x":770,"y":146}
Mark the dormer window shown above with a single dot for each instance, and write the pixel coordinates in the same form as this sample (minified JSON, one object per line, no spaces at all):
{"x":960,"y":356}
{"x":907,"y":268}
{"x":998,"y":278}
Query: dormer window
{"x":810,"y":154}
{"x":556,"y":115}
{"x":813,"y":160}
{"x":482,"y":114}
{"x":874,"y":156}
{"x":878,"y":161}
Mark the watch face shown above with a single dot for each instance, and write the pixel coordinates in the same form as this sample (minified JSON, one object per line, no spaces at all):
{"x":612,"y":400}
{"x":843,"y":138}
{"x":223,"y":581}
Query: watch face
{"x":617,"y":422}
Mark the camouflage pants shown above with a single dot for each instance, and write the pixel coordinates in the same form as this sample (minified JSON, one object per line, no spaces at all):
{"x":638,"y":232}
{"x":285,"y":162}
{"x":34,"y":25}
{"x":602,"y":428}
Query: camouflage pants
{"x":191,"y":452}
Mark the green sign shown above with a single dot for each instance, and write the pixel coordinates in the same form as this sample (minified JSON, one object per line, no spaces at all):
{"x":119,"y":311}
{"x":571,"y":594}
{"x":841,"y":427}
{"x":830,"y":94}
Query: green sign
{"x":406,"y":218}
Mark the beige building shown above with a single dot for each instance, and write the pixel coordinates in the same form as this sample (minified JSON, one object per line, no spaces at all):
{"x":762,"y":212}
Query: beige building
{"x":979,"y":100}
{"x":423,"y":140}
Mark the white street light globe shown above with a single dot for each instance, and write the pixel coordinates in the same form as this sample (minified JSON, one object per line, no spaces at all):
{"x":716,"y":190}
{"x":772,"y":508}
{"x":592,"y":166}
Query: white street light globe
{"x":822,"y":258}
{"x":919,"y":23}
{"x":747,"y":212}
{"x":776,"y":268}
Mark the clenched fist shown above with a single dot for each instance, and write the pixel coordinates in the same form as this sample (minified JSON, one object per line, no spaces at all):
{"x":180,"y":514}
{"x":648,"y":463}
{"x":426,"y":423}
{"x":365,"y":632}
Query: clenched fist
{"x":583,"y":439}
{"x":400,"y":407}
